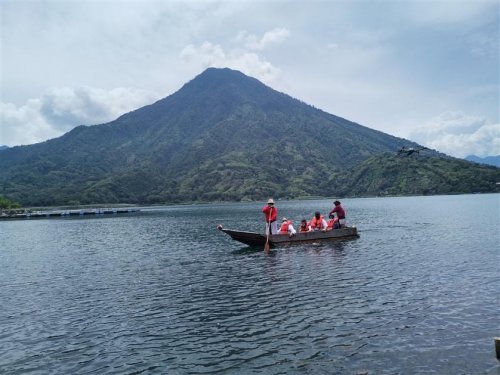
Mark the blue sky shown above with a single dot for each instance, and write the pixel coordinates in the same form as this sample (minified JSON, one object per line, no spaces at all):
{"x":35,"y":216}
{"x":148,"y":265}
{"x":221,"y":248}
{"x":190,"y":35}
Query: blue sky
{"x":423,"y":70}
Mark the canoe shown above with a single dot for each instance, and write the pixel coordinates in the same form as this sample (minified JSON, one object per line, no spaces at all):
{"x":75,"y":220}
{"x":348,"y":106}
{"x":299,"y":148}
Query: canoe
{"x":259,"y":239}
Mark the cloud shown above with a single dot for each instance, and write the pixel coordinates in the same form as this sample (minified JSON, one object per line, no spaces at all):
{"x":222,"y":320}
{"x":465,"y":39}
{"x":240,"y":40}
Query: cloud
{"x":483,"y":45}
{"x":207,"y":54}
{"x":59,"y":110}
{"x":24,"y":125}
{"x":253,"y":42}
{"x":244,"y":58}
{"x":460,"y":135}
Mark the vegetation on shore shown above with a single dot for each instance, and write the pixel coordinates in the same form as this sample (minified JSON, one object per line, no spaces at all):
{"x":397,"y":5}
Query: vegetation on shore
{"x":6,"y":204}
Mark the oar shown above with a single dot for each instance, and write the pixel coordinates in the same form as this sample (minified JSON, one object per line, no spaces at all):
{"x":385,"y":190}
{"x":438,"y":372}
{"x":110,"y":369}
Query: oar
{"x":266,"y":246}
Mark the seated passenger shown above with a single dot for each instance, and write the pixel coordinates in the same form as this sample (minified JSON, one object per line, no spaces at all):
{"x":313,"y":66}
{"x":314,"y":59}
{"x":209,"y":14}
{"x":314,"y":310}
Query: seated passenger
{"x":304,"y":226}
{"x":287,"y":227}
{"x":318,"y":222}
{"x":333,"y":223}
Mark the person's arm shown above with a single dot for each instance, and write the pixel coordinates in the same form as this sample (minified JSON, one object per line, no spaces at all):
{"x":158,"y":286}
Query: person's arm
{"x":273,"y":214}
{"x":291,"y":229}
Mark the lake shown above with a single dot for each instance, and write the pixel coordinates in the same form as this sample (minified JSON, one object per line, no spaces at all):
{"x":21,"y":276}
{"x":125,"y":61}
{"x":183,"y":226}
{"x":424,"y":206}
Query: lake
{"x":164,"y":292}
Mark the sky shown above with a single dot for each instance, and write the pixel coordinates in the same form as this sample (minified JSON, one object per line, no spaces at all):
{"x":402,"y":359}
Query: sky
{"x":425,"y":70}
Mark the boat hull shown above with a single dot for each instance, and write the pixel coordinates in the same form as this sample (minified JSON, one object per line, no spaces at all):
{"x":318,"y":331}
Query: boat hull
{"x":258,"y":239}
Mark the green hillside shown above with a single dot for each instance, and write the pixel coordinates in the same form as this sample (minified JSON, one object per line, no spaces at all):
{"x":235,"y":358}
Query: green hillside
{"x":395,"y":175}
{"x":222,"y":136}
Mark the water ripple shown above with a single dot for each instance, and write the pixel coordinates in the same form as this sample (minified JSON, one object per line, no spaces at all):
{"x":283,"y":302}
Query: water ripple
{"x":133,"y":295}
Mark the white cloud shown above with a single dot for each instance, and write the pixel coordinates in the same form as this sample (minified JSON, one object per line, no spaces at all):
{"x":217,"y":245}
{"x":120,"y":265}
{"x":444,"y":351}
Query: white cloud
{"x":24,"y":125}
{"x":253,"y":42}
{"x":59,"y":110}
{"x":458,"y":134}
{"x":207,"y":54}
{"x":244,"y":58}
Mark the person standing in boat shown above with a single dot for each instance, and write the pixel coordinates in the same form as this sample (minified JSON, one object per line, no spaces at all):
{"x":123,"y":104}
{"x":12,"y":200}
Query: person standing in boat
{"x":271,"y":213}
{"x":318,"y":222}
{"x":287,"y":227}
{"x":340,"y":213}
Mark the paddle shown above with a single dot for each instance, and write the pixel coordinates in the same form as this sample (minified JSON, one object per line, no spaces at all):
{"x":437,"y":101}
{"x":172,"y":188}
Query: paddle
{"x":266,"y":246}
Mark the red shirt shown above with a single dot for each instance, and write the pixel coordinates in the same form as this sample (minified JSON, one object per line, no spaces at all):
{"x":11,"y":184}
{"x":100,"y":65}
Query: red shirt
{"x":271,"y":213}
{"x":339,"y":210}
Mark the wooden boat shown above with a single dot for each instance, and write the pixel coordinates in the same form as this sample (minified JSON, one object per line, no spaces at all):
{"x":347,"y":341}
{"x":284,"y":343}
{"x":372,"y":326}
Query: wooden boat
{"x":259,"y":239}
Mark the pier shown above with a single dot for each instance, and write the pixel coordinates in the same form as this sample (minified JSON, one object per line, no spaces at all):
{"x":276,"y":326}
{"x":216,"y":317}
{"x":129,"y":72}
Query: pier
{"x":28,"y":214}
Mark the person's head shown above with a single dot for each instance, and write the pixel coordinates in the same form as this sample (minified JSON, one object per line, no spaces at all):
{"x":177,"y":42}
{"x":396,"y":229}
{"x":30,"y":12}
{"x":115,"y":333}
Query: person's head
{"x":270,"y":202}
{"x":336,"y":203}
{"x":303,"y":222}
{"x":317,"y":214}
{"x":284,"y":219}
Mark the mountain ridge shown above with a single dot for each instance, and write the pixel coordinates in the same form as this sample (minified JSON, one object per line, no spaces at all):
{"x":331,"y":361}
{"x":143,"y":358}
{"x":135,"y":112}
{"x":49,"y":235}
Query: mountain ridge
{"x":221,"y":136}
{"x":489,"y":160}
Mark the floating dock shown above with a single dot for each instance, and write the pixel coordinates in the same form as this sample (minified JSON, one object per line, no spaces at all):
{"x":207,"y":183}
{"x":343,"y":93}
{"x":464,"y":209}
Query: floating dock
{"x":64,"y":213}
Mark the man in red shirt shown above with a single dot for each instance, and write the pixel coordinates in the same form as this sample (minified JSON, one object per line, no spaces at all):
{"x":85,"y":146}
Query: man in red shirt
{"x":271,"y":213}
{"x":340,"y":213}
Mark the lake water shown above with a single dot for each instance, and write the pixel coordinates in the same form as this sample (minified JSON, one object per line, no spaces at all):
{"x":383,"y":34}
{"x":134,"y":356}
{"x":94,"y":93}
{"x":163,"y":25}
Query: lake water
{"x":163,"y":292}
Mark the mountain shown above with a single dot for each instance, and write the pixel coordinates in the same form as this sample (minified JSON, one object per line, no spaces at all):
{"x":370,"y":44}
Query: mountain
{"x":222,"y":136}
{"x":3,"y":147}
{"x":490,"y":160}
